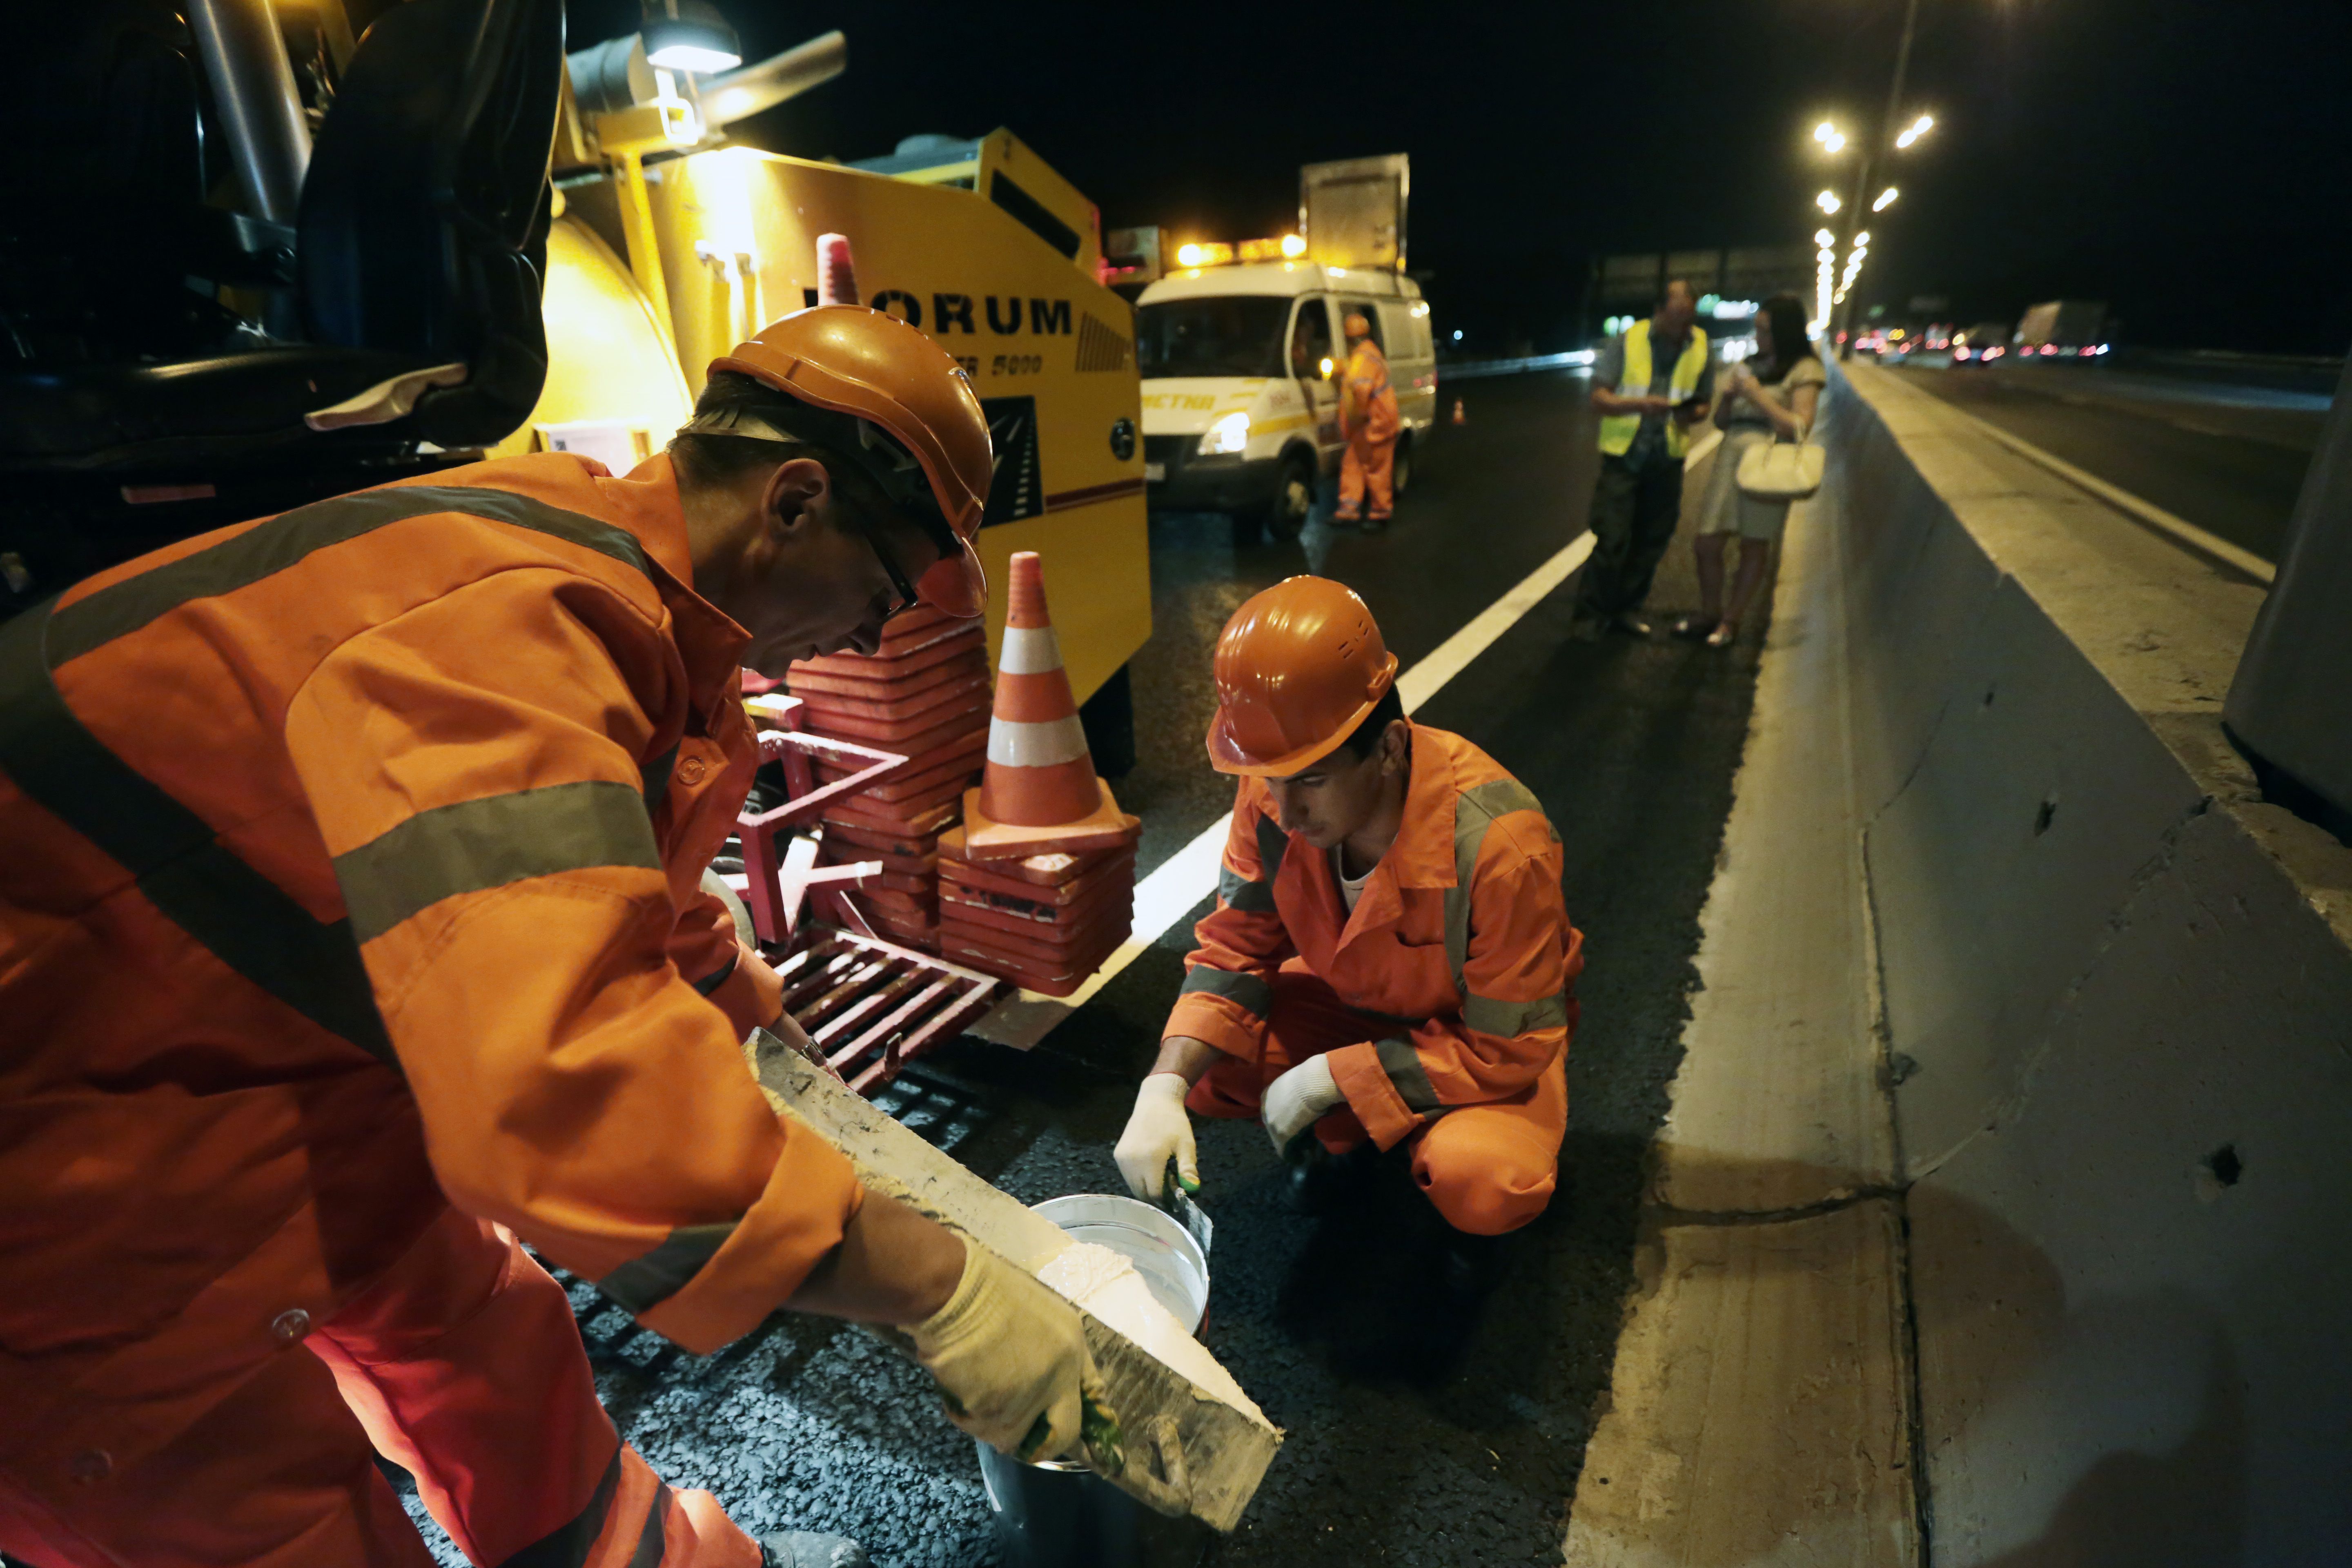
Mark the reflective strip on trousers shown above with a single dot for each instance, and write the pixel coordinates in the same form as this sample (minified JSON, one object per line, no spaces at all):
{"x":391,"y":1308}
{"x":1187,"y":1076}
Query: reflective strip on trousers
{"x":1490,"y":1017}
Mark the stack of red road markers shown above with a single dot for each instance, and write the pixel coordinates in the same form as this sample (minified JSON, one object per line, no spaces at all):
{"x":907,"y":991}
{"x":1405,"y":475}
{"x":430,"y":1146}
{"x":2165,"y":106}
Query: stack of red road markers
{"x":924,"y":693}
{"x":1038,"y":885}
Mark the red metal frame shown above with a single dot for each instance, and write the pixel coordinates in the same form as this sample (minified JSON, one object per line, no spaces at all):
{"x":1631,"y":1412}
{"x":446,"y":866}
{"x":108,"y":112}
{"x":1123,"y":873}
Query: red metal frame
{"x":869,"y":1006}
{"x":782,"y":883}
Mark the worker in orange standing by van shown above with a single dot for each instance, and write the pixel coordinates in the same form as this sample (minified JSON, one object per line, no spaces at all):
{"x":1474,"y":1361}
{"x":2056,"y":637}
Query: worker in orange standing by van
{"x":1368,"y":422}
{"x":350,"y":929}
{"x":1389,"y":962}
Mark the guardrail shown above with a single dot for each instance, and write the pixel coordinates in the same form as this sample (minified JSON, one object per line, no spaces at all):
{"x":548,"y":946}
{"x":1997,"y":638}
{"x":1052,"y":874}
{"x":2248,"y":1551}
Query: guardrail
{"x":1470,"y":370}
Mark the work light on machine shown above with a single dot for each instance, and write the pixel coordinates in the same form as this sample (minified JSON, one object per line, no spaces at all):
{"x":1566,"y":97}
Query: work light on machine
{"x":1886,"y":199}
{"x":1827,"y":201}
{"x":689,"y":36}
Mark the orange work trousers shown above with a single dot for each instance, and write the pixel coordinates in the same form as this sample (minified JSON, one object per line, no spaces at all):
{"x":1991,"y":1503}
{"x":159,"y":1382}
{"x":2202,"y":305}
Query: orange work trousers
{"x":1486,"y":1168}
{"x":463,"y":1365}
{"x":1366,"y":463}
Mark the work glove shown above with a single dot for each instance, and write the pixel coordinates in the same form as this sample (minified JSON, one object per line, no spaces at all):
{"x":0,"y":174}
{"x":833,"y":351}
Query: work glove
{"x":1158,"y":1131}
{"x":1011,"y":1358}
{"x":1297,"y":1100}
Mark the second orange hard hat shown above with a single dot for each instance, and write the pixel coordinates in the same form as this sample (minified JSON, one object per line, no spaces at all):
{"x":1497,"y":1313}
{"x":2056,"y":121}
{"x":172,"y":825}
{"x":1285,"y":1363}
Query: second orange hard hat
{"x":879,"y":370}
{"x":1297,"y":669}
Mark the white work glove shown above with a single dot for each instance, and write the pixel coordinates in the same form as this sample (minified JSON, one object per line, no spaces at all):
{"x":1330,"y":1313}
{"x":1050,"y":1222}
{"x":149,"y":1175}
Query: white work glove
{"x":1297,"y":1100}
{"x":1158,"y":1131}
{"x":1011,"y":1357}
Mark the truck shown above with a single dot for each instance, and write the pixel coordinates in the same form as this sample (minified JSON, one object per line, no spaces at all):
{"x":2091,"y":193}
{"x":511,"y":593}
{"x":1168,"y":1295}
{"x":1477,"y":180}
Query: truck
{"x":1240,"y":347}
{"x":2062,"y":328}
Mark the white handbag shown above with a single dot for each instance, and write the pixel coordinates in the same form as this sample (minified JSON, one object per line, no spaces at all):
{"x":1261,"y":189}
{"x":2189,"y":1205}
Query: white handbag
{"x":1781,"y":471}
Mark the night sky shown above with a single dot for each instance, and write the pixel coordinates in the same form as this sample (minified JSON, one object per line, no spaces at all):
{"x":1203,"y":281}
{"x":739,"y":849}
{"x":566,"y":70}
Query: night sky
{"x":2188,"y":161}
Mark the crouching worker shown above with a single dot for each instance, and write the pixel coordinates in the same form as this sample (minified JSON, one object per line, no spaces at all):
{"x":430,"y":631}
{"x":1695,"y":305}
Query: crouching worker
{"x":1389,"y":962}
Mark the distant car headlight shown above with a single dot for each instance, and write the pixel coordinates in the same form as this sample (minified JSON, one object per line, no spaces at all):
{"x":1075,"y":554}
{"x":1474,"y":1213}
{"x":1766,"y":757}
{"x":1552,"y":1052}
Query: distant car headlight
{"x":1230,"y":433}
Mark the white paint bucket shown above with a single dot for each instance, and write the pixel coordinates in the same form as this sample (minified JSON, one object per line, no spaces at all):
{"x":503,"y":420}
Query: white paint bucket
{"x":1059,"y":1514}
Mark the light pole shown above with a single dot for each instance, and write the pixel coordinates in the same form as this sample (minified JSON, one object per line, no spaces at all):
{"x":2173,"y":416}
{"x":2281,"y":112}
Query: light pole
{"x":1873,"y":145}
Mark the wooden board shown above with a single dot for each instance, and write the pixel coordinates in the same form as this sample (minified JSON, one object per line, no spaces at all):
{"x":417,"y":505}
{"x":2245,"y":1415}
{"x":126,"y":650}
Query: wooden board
{"x":1227,"y":1450}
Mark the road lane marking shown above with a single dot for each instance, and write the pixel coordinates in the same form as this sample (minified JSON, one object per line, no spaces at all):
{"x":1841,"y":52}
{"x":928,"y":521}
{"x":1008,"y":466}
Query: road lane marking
{"x":1177,"y":884}
{"x":2181,"y":529}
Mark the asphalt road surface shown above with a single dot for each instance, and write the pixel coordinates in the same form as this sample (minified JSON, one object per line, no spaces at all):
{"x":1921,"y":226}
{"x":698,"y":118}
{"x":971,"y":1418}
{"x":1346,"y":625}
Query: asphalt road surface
{"x":1417,"y":1434}
{"x":2229,"y":459}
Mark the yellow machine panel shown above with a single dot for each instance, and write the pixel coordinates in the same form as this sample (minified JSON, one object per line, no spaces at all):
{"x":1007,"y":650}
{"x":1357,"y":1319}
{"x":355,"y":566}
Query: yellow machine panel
{"x":1049,"y":350}
{"x":609,"y":362}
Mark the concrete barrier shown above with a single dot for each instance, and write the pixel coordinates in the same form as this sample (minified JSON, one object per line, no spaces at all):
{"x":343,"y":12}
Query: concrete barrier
{"x":2118,"y":1012}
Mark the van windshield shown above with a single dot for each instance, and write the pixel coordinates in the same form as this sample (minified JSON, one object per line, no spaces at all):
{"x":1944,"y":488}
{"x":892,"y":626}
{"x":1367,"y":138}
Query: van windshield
{"x":1235,"y":335}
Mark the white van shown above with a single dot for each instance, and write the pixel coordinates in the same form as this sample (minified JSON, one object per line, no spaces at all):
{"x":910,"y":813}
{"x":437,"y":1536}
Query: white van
{"x":1240,"y":396}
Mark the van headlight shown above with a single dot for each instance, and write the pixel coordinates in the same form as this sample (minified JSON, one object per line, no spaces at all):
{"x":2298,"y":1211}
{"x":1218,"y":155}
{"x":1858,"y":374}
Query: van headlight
{"x":1230,"y":433}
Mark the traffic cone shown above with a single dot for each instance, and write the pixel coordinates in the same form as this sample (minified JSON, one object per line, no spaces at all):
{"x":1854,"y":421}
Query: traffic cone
{"x":1459,"y":417}
{"x":1039,"y":794}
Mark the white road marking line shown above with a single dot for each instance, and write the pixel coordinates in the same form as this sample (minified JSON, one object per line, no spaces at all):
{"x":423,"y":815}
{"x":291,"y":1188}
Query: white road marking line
{"x":1177,"y":884}
{"x":2179,"y":528}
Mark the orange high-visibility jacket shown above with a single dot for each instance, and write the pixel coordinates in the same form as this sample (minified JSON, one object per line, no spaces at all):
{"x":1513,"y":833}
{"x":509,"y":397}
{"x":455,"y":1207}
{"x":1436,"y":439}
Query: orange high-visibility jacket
{"x":351,"y":858}
{"x":1460,"y":937}
{"x":1368,"y":404}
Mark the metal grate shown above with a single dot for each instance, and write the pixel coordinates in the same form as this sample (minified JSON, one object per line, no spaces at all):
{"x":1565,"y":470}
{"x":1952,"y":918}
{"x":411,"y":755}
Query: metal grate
{"x":871,"y":1008}
{"x":1102,"y":346}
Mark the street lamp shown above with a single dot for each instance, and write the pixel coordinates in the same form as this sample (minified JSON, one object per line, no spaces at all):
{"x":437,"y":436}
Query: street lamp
{"x":1875,"y":144}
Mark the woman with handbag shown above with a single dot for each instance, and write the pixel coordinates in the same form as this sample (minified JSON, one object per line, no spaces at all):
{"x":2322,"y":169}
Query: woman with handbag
{"x":1767,"y":398}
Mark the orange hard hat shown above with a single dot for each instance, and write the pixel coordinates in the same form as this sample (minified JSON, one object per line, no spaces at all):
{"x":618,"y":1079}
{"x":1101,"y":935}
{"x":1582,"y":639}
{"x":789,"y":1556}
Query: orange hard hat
{"x":1356,"y":325}
{"x":889,"y":376}
{"x":1297,"y":669}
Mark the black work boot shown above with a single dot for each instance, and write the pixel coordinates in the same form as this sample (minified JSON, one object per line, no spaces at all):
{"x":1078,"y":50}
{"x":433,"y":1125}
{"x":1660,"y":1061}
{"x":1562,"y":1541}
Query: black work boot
{"x":1320,"y":1181}
{"x":1473,"y":1265}
{"x":805,"y":1549}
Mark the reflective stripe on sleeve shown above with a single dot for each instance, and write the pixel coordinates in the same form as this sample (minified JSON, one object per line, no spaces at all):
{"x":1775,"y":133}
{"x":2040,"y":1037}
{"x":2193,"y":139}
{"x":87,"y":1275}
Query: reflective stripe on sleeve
{"x":226,"y":907}
{"x":1402,"y":1064}
{"x":1239,"y":893}
{"x":1474,"y":811}
{"x":476,"y":845}
{"x":1249,"y":992}
{"x":721,"y":975}
{"x":643,"y":1283}
{"x":284,"y":541}
{"x":1490,"y":1017}
{"x":1271,"y":843}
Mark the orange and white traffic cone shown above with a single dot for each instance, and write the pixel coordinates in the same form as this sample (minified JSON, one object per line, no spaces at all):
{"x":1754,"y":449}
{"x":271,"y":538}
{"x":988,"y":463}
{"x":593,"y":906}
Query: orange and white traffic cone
{"x":1039,"y":794}
{"x":1459,"y":417}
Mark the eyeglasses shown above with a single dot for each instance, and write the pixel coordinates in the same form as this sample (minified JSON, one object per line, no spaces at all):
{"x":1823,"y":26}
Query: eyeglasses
{"x":905,"y":591}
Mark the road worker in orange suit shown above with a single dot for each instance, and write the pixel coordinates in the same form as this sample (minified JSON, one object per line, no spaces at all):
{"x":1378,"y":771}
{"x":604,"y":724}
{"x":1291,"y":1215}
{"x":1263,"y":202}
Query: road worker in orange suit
{"x":350,"y":935}
{"x":1368,"y":422}
{"x":1389,"y":962}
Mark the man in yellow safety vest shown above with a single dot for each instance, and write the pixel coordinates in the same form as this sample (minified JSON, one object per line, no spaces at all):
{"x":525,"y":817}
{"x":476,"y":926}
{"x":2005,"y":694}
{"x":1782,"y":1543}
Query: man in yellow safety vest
{"x":1649,"y":385}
